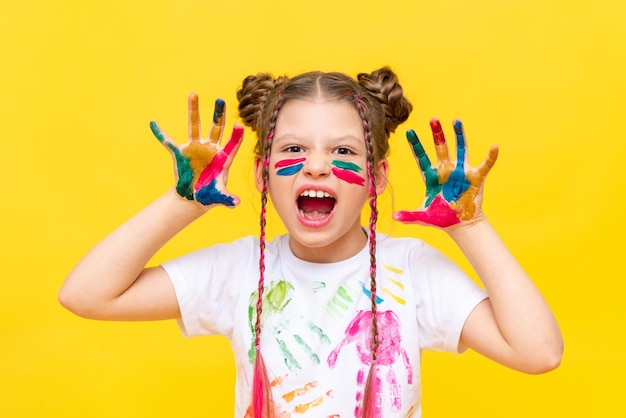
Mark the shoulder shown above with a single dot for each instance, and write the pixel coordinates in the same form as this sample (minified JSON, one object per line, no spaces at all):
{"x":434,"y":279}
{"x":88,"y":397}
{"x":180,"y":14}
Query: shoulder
{"x":239,"y":253}
{"x":416,"y":257}
{"x":404,"y":246}
{"x":248,"y":244}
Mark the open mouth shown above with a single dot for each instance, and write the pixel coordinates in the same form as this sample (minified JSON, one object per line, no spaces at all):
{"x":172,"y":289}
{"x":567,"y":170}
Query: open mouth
{"x":315,"y":204}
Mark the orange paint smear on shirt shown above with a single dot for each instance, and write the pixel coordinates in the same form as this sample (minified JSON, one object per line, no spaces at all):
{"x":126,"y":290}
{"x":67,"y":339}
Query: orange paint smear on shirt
{"x":302,"y":408}
{"x":290,"y":396}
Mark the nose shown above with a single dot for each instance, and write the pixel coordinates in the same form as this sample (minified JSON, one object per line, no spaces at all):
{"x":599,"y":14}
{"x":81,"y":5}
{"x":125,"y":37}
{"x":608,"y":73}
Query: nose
{"x":317,"y":165}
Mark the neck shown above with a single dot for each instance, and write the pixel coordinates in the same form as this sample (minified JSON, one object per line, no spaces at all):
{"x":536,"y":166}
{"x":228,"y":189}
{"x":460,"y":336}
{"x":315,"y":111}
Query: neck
{"x":347,"y":246}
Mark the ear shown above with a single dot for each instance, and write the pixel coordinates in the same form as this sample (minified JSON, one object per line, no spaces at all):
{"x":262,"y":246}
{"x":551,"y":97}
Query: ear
{"x":381,"y":175}
{"x":258,"y":173}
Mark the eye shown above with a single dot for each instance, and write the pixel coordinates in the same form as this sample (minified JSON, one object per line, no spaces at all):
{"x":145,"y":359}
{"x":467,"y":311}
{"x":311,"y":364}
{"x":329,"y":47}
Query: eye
{"x":292,"y":148}
{"x":344,"y":151}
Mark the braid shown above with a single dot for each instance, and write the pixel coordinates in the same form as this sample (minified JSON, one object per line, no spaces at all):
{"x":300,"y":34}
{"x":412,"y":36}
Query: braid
{"x":373,"y":218}
{"x":263,"y":221}
{"x":261,"y":390}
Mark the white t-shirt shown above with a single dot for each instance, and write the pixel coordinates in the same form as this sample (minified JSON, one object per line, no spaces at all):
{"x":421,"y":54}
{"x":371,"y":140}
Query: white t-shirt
{"x":316,"y":320}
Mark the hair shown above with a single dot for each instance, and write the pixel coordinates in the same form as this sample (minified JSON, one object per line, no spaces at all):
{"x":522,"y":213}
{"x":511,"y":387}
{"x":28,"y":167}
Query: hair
{"x":379,"y":100}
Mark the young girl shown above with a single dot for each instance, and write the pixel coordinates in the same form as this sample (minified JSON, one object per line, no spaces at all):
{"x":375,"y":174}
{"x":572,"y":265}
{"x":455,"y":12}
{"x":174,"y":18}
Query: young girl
{"x":328,"y":320}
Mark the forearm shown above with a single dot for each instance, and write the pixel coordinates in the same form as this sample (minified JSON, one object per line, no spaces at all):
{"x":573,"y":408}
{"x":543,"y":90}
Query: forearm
{"x":116,"y":262}
{"x":522,"y":315}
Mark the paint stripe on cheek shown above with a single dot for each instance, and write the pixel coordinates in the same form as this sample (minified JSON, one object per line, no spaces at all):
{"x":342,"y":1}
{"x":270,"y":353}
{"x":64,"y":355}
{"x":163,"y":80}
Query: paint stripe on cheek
{"x":348,"y":176}
{"x":346,"y":165}
{"x":291,"y":161}
{"x":289,"y":167}
{"x":289,"y":171}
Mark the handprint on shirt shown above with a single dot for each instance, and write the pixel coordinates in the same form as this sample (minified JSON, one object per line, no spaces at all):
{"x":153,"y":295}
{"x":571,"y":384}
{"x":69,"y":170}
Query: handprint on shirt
{"x":202,"y":165}
{"x":452,"y":190}
{"x":359,"y":333}
{"x":277,"y":297}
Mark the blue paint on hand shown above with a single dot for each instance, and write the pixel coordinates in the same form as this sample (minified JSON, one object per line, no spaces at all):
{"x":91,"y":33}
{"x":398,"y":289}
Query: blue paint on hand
{"x":219,"y":109}
{"x":209,"y":195}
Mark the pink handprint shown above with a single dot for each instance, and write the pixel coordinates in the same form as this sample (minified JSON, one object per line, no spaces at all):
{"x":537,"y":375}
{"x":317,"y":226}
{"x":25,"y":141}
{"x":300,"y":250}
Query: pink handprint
{"x":359,"y":332}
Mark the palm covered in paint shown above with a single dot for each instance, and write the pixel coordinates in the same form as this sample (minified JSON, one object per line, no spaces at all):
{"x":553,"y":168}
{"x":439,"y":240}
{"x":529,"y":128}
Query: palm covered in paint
{"x":201,"y":165}
{"x":453,"y":190}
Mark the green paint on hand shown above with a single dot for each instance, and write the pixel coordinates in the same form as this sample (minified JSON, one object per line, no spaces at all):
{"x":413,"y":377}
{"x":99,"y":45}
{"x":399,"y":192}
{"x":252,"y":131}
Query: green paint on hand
{"x":183,"y":168}
{"x":431,"y":178}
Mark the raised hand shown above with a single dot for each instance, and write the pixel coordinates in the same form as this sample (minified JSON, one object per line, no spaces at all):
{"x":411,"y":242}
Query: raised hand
{"x":201,"y":165}
{"x":453,"y":190}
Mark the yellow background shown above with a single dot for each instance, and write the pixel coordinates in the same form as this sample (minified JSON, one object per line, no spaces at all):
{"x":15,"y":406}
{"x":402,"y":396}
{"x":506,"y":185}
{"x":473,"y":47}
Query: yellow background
{"x":79,"y":82}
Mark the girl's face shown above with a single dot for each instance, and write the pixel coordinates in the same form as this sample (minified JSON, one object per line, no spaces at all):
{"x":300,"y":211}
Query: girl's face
{"x":318,"y":179}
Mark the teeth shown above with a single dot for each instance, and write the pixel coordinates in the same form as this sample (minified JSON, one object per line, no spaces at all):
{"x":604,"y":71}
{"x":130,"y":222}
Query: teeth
{"x":315,"y":193}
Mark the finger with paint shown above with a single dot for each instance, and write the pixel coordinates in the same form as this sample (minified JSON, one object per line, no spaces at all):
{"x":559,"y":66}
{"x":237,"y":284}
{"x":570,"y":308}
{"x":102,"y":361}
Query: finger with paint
{"x":195,"y":131}
{"x":182,"y":168}
{"x":465,"y":204}
{"x":429,"y":173}
{"x":201,"y":165}
{"x":444,"y":165}
{"x":219,"y":119}
{"x":451,"y":189}
{"x":456,"y":183}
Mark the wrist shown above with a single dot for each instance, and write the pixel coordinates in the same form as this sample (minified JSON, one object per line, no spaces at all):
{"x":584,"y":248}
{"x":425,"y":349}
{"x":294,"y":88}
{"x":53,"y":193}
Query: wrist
{"x":181,"y":206}
{"x":469,"y":228}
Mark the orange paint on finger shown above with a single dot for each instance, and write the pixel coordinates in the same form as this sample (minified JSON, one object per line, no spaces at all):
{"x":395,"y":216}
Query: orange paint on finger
{"x":489,"y":162}
{"x":444,"y":165}
{"x":216,"y":132}
{"x":194,"y":117}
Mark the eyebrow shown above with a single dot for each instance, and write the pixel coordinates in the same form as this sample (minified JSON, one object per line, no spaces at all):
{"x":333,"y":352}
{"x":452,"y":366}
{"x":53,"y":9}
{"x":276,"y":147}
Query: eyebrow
{"x":293,"y":137}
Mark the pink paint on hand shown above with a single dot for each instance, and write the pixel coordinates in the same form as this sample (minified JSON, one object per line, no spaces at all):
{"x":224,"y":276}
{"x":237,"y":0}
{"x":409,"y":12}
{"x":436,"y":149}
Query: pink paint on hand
{"x":438,"y":213}
{"x":348,"y":176}
{"x":216,"y":166}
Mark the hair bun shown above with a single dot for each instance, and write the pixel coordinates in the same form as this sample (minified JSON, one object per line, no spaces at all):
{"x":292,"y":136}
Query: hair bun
{"x":383,"y":85}
{"x":252,"y":97}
